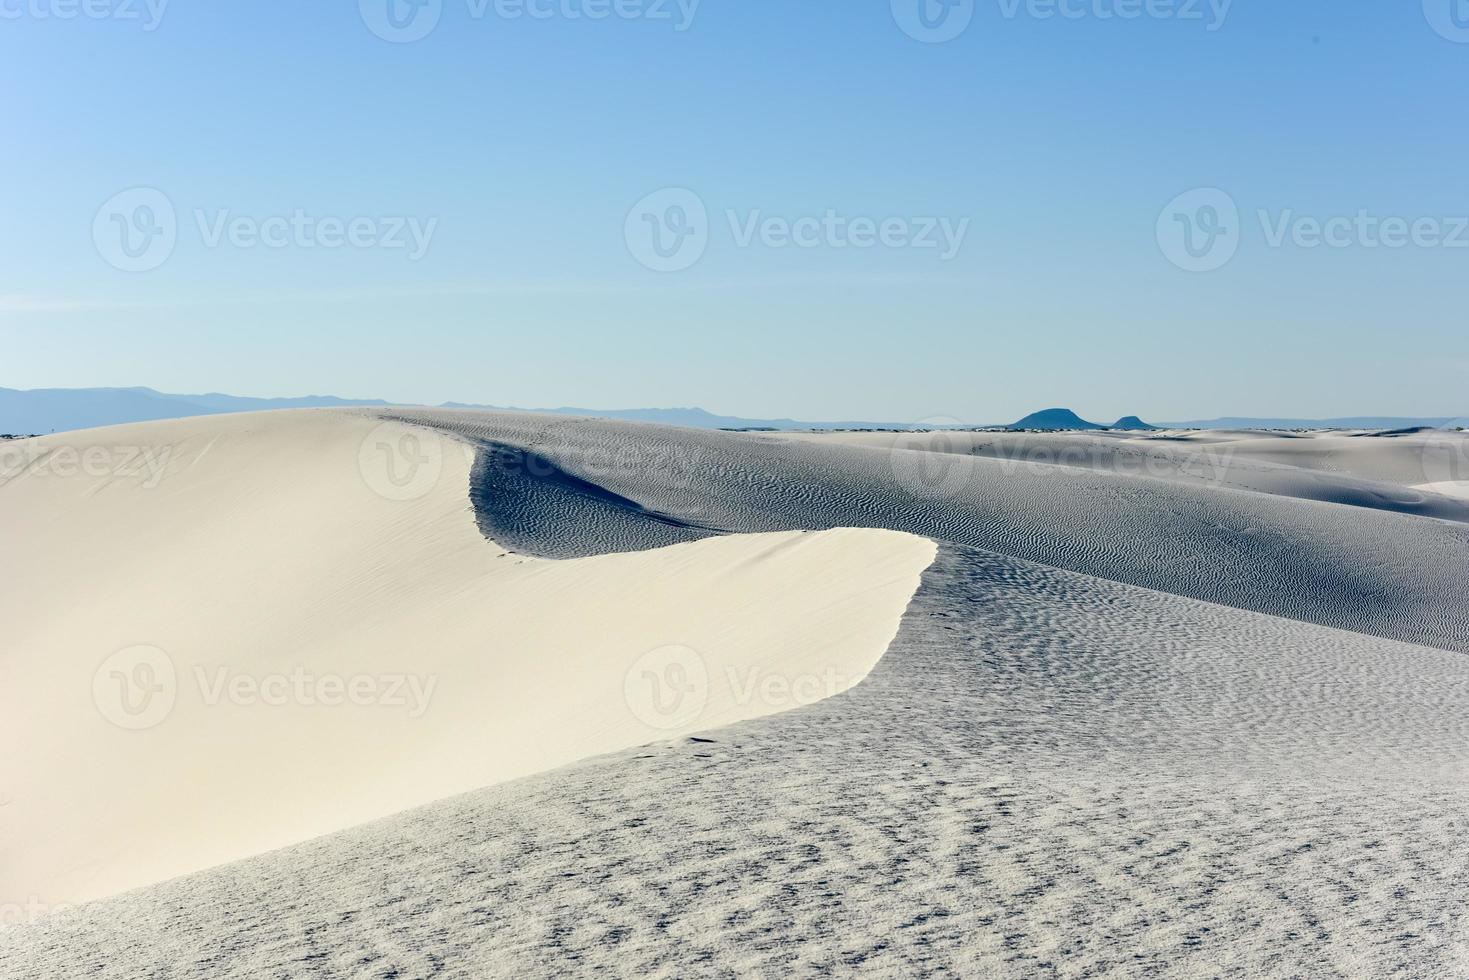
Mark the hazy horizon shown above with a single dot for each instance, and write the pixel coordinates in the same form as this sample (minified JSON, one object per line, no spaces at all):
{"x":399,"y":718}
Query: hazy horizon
{"x":719,"y":412}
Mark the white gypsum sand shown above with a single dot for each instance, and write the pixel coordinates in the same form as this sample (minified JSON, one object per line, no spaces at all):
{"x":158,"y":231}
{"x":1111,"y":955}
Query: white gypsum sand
{"x":1379,"y":471}
{"x":1447,"y":488}
{"x":320,"y":654}
{"x":1129,"y":725}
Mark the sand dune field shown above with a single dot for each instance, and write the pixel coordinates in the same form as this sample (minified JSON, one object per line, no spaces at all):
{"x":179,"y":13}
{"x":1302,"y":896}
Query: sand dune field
{"x":740,"y":704}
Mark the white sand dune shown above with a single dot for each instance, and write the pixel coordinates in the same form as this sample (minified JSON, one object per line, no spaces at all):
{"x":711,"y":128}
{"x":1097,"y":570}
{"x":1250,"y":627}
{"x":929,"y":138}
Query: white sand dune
{"x":1358,"y":469}
{"x":1374,"y":571}
{"x":1448,"y":488}
{"x":1129,"y":726}
{"x":256,"y":563}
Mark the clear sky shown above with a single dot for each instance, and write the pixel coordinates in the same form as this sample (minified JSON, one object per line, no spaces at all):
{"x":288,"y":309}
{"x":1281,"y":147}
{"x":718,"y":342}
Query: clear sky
{"x":866,"y":221}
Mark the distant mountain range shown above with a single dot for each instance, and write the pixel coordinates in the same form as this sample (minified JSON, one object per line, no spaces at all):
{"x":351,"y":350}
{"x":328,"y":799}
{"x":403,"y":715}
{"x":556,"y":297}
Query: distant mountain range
{"x":44,"y":410}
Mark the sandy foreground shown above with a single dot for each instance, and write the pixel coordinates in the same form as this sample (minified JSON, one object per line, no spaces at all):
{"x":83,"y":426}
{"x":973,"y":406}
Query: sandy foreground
{"x":1129,"y":723}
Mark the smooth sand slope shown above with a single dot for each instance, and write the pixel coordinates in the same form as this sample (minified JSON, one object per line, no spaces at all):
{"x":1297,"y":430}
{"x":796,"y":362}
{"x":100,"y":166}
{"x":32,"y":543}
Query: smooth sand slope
{"x":239,"y":640}
{"x":1128,"y":726}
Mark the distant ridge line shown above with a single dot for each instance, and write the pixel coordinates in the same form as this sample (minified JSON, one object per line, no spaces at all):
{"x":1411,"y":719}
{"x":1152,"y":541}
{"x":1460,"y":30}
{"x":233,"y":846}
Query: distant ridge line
{"x":43,"y":410}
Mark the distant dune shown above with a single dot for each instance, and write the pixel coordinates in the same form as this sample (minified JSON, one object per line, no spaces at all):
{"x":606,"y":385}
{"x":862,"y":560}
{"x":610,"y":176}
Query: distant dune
{"x":1351,"y":422}
{"x":1379,"y":474}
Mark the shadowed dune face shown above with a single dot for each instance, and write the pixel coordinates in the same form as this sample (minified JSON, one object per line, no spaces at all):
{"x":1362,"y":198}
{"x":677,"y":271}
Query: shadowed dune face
{"x":529,"y":504}
{"x":1373,"y":571}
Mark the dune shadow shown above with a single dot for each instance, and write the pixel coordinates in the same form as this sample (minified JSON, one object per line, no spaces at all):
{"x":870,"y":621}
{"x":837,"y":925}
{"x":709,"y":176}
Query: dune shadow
{"x":527,"y":503}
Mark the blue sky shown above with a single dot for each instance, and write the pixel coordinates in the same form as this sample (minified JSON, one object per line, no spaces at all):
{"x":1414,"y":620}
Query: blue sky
{"x":1069,"y":150}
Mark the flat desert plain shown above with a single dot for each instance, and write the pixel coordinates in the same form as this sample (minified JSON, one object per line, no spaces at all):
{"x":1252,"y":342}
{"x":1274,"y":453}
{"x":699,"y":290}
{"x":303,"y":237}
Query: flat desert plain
{"x":425,"y":693}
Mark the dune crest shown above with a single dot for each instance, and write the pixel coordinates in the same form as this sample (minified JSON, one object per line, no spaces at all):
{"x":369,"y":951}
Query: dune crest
{"x":346,"y":644}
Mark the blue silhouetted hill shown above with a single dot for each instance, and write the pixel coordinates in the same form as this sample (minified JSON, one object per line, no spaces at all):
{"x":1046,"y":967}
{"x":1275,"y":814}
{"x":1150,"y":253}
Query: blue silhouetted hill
{"x":1055,"y":418}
